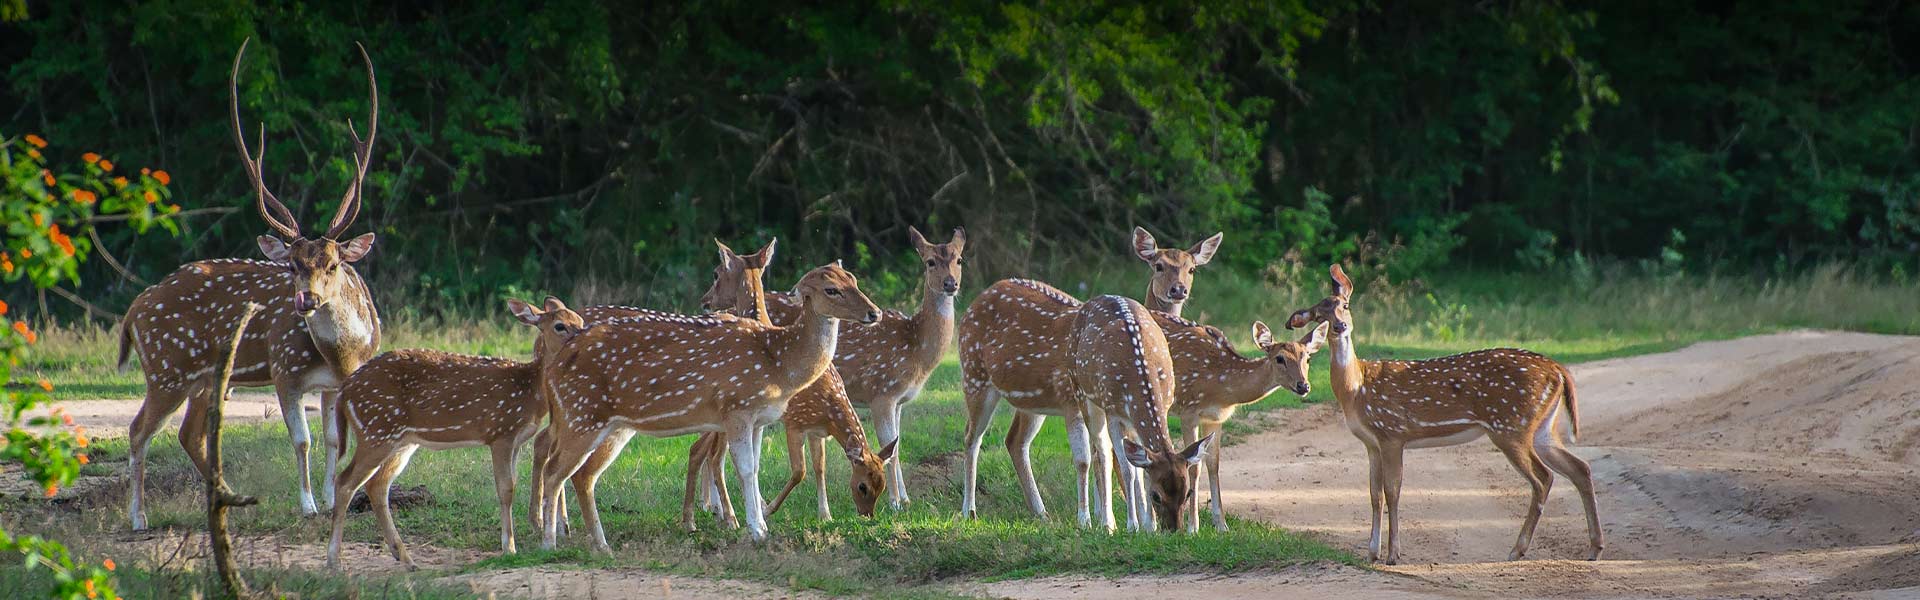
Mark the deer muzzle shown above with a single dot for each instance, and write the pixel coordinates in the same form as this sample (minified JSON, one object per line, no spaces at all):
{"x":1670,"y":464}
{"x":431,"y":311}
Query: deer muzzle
{"x":305,"y":302}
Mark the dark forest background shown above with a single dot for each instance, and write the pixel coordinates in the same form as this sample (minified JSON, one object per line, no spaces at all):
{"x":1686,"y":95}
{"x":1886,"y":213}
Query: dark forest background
{"x":532,"y":145}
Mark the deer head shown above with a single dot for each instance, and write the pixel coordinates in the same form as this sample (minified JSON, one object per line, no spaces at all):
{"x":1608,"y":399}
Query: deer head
{"x":1333,"y":309}
{"x":1290,"y":358}
{"x":1172,"y":268}
{"x":869,"y":476}
{"x":1168,"y":488}
{"x":833,"y":292}
{"x":315,"y":263}
{"x":737,"y":278}
{"x":942,"y":260}
{"x":556,"y":323}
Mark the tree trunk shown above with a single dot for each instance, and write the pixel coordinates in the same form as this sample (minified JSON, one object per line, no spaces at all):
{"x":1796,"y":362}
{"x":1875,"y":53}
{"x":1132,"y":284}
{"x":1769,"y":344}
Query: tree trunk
{"x":219,"y":498}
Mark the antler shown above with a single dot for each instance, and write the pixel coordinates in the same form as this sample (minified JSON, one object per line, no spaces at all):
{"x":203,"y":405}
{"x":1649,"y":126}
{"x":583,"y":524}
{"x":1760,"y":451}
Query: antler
{"x":263,"y":199}
{"x":362,"y":154}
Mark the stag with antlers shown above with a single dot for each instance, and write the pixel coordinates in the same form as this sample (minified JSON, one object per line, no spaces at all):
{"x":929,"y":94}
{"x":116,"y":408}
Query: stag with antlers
{"x":319,"y":324}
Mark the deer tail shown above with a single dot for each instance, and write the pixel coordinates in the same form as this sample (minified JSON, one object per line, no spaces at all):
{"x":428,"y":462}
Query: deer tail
{"x":342,"y":420}
{"x":126,"y":345}
{"x":1573,"y":410}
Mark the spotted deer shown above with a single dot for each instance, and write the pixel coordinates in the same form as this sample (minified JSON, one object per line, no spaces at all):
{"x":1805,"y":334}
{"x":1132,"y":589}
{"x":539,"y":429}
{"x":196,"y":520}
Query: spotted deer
{"x":1172,"y":281}
{"x":404,"y":400}
{"x":318,"y":326}
{"x":816,"y":413}
{"x":1013,"y":347}
{"x":1513,"y":397}
{"x":885,"y":366}
{"x":670,"y":375}
{"x":1214,"y":381}
{"x":1123,"y":375}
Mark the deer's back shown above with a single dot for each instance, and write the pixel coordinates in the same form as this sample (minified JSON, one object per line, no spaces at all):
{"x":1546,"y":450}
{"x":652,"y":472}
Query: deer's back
{"x":1014,"y":338}
{"x":182,"y":324}
{"x":1120,"y":358}
{"x":440,"y":396}
{"x":1497,"y":389}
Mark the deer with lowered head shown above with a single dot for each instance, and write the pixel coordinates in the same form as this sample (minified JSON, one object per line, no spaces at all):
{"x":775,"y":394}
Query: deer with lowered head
{"x":670,"y":375}
{"x":1124,"y":377}
{"x":1512,"y":397}
{"x":318,"y":326}
{"x":404,"y":400}
{"x":885,"y":366}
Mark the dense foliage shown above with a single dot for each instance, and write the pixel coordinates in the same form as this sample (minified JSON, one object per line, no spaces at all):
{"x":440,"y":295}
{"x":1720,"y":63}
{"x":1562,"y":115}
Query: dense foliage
{"x":560,"y":145}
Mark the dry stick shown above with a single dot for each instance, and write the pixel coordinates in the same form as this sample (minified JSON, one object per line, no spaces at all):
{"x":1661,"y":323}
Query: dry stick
{"x":219,"y":498}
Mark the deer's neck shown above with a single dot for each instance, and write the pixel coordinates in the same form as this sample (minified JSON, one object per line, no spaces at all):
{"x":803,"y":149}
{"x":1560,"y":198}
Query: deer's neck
{"x":804,"y":349}
{"x":1155,"y":302}
{"x":842,"y":423}
{"x":755,"y":300}
{"x":346,"y":330}
{"x":1247,"y":380}
{"x":933,"y":325}
{"x":1348,"y":371}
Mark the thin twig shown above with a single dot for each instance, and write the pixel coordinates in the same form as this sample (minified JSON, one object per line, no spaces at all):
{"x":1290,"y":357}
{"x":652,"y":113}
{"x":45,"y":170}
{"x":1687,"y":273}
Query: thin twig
{"x":212,"y":210}
{"x":101,"y":248}
{"x":91,"y":309}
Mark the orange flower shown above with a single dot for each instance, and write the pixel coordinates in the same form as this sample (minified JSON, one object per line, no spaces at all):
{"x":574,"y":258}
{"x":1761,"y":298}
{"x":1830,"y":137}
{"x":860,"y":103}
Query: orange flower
{"x":80,"y":439}
{"x":108,"y":564}
{"x":119,"y":182}
{"x":21,"y":327}
{"x":106,"y":165}
{"x":150,"y":196}
{"x":26,"y":253}
{"x":84,"y":196}
{"x":90,"y":592}
{"x":33,"y":153}
{"x":46,"y":386}
{"x":6,"y":266}
{"x":39,"y":220}
{"x":163,"y":177}
{"x":37,"y":141}
{"x":90,"y":157}
{"x":47,"y":176}
{"x":172,"y":208}
{"x":52,"y":489}
{"x":3,"y":307}
{"x":66,"y":419}
{"x":82,"y":458}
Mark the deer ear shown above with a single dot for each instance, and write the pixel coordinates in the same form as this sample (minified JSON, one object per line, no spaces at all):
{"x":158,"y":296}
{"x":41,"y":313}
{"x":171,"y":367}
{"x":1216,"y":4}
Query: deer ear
{"x":1300,"y":318}
{"x":959,"y":241}
{"x":1262,"y":335}
{"x":726,"y":254}
{"x":1136,"y":454}
{"x":1342,"y":286}
{"x":357,"y":248}
{"x":886,"y":454}
{"x":554,"y":304}
{"x":837,"y":265}
{"x":1203,"y":251}
{"x":273,"y":247}
{"x":766,"y":253}
{"x":919,"y":241}
{"x":1197,"y":451}
{"x":1143,"y":245}
{"x":1315,"y":339}
{"x":526,"y":313}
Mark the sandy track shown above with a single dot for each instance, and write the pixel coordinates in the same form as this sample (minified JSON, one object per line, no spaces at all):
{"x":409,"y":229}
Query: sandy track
{"x":1783,"y":465}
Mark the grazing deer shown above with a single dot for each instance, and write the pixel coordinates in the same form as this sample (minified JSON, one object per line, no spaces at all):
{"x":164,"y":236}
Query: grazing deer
{"x":669,"y":375}
{"x":407,"y":399}
{"x":319,"y":325}
{"x":1513,"y":397}
{"x":1172,"y":280}
{"x":886,"y":365}
{"x":1124,"y":377}
{"x":814,"y":414}
{"x":1214,"y":380}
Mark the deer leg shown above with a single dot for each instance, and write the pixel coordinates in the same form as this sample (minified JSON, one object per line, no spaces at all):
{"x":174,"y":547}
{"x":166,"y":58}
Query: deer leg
{"x":1100,"y":449}
{"x":330,"y":431}
{"x":717,"y":484}
{"x":742,"y":432}
{"x":296,"y":419}
{"x":981,"y":400}
{"x":696,"y":480}
{"x":587,"y":478}
{"x":193,"y":438}
{"x":1374,"y":501}
{"x":536,"y":483}
{"x":1548,"y":447}
{"x":1537,"y":475}
{"x":379,"y":490}
{"x":1083,"y":461}
{"x":817,"y":451}
{"x":886,"y":424}
{"x":568,"y":455}
{"x":797,"y":464}
{"x":1128,"y":477}
{"x":1213,"y":474}
{"x":366,"y":460}
{"x":1019,"y":440}
{"x":159,"y":404}
{"x":1390,"y":475}
{"x":1190,"y":431}
{"x":505,"y":454}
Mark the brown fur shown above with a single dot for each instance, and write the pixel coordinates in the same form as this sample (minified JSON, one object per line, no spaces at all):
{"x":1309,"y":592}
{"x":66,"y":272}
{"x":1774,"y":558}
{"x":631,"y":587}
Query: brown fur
{"x":1172,"y":282}
{"x":1123,"y":374}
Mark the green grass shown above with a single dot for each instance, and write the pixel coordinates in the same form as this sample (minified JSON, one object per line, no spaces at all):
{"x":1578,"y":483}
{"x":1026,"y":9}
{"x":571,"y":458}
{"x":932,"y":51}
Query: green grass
{"x":132,"y":582}
{"x":1573,"y":316}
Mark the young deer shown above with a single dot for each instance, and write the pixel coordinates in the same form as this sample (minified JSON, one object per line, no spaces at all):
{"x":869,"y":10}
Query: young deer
{"x":319,"y":324}
{"x":1124,"y":377}
{"x":816,"y":413}
{"x":1511,"y":396}
{"x":406,"y":399}
{"x":1172,"y":280}
{"x":885,"y":366}
{"x":669,"y":375}
{"x":1213,"y":381}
